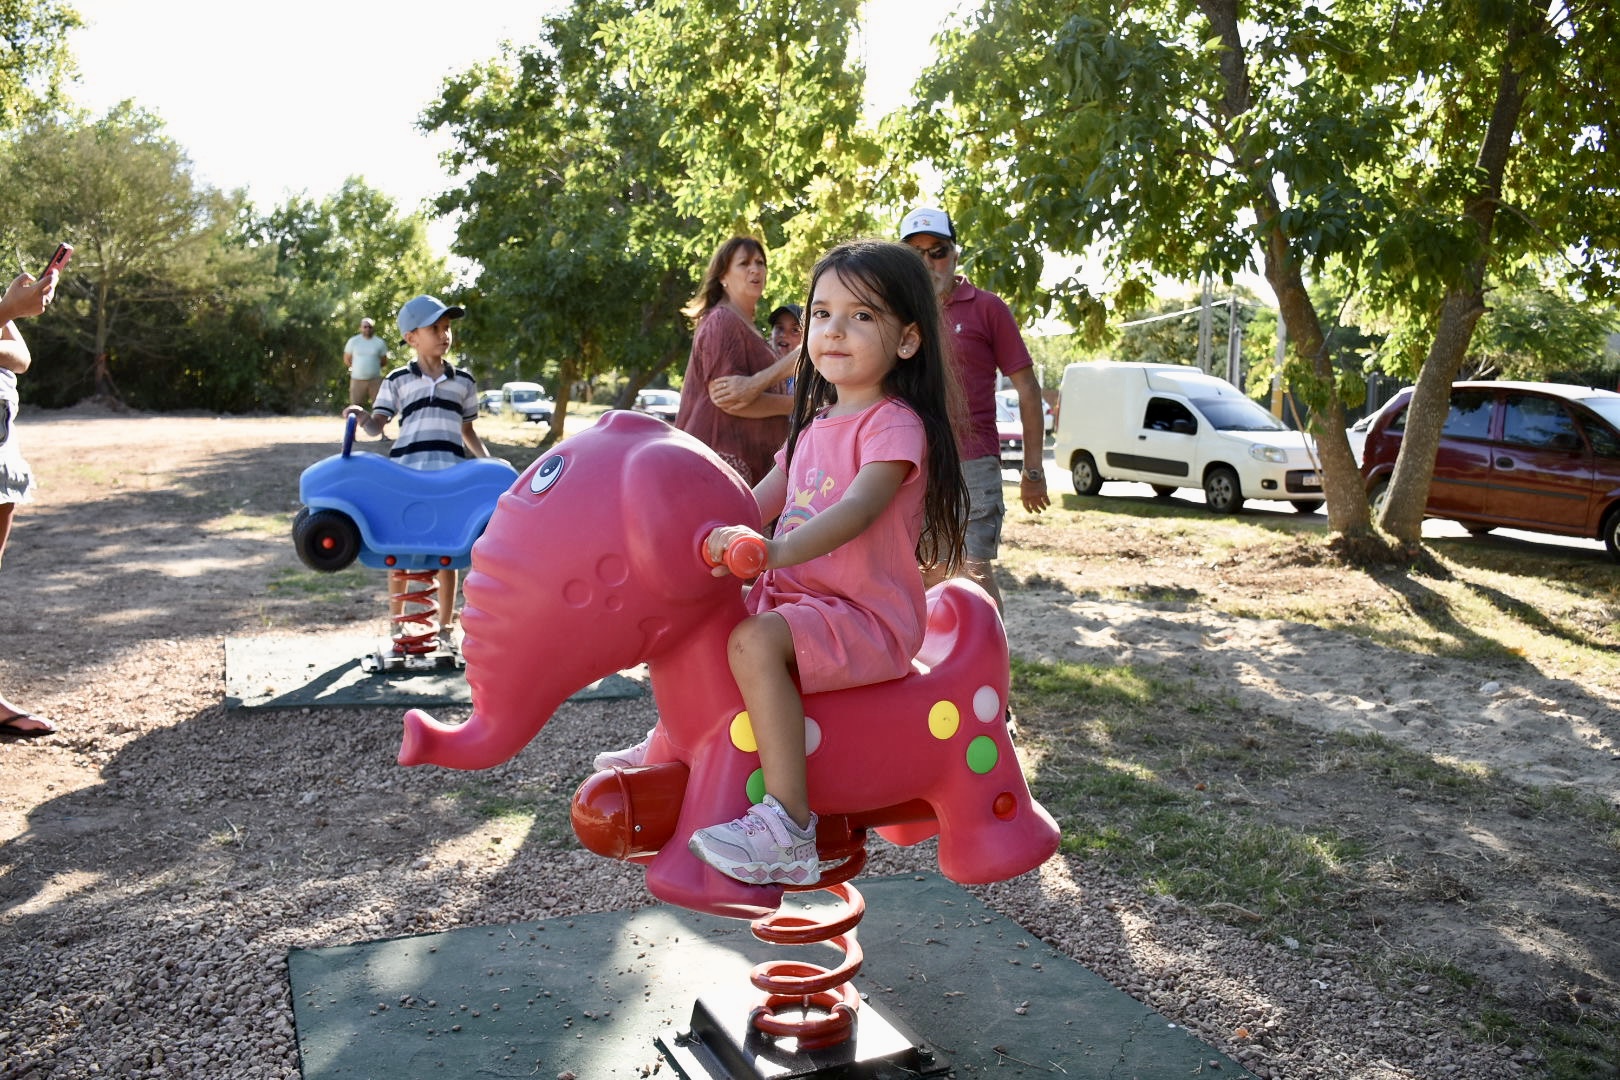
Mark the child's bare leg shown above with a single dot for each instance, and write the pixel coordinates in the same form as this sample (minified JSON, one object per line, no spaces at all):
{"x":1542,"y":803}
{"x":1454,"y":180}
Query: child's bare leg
{"x":396,"y":585}
{"x":447,"y":598}
{"x":761,"y":656}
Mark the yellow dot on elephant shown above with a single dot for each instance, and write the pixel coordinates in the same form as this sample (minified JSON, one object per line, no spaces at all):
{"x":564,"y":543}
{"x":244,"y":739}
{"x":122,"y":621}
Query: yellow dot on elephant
{"x":742,"y":734}
{"x":943,"y":719}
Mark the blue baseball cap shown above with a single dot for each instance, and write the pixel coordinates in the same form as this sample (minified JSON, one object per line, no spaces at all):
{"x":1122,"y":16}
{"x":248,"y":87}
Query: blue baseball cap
{"x":425,"y":311}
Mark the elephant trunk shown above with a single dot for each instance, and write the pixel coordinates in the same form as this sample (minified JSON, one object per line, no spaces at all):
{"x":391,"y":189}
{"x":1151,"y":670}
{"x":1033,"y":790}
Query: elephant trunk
{"x":480,"y":743}
{"x":512,"y":697}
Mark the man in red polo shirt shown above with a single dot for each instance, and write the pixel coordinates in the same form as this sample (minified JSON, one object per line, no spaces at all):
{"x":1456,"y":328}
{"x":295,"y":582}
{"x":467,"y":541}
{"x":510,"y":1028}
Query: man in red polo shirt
{"x":987,"y":345}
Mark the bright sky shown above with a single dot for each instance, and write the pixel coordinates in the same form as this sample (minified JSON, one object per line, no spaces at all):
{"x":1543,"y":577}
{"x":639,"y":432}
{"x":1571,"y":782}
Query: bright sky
{"x":296,"y":97}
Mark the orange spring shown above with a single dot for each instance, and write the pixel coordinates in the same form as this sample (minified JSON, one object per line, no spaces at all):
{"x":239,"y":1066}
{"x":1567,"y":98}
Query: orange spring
{"x":824,"y":996}
{"x":416,"y":626}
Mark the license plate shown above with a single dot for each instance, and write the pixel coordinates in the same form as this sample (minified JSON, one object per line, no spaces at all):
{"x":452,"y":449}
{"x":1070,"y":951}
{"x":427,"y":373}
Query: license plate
{"x":1311,"y":479}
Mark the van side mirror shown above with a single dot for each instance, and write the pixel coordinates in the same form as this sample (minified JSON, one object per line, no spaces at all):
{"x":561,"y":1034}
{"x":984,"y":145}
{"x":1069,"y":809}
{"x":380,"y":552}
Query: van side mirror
{"x":1183,"y":427}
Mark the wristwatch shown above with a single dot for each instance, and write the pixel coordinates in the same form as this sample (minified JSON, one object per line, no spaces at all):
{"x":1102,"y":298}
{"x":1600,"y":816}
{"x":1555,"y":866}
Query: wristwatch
{"x":1035,"y":475}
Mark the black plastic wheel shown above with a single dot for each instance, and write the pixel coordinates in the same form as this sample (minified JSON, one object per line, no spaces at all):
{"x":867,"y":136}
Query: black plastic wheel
{"x":326,"y":540}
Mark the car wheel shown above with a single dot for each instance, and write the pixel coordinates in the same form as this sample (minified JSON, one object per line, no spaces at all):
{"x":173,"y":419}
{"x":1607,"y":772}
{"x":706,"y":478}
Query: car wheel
{"x":1084,"y":475}
{"x":1611,"y":532}
{"x":1222,"y":492}
{"x":326,"y":540}
{"x":1307,"y":506}
{"x":1162,"y":492}
{"x":1476,"y":528}
{"x":1376,"y":499}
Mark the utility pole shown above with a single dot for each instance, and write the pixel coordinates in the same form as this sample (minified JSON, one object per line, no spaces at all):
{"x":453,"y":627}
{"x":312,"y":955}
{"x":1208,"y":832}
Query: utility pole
{"x":1282,"y":358}
{"x":1234,"y":345}
{"x":1204,"y":328}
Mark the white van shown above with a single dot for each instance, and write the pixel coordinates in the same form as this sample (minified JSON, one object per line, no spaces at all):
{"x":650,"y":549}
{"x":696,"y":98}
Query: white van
{"x":1174,"y":427}
{"x":526,"y":401}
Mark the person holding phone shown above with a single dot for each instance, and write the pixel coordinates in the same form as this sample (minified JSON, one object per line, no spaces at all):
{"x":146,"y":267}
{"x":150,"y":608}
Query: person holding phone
{"x":25,"y":297}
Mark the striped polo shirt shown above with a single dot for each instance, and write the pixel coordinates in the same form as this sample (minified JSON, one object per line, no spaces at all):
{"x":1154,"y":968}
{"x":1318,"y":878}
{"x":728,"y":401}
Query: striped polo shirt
{"x":430,"y":411}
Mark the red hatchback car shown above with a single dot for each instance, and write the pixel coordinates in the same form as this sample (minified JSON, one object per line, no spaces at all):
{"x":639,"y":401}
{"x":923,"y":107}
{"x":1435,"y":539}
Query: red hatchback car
{"x":1537,"y":456}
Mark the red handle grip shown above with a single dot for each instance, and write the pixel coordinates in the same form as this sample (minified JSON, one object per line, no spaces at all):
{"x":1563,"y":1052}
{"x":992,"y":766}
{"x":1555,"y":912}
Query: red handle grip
{"x":744,"y":557}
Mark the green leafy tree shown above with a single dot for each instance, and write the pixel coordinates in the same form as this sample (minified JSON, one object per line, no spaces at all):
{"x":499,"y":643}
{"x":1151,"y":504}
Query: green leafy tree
{"x":149,"y":241}
{"x":763,"y":109}
{"x":34,"y":57}
{"x":350,"y":255}
{"x":602,"y":164}
{"x":1373,"y":135}
{"x":1533,"y":331}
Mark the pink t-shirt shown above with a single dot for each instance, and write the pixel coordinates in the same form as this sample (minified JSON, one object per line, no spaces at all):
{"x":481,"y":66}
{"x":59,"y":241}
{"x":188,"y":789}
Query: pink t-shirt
{"x":857,"y":613}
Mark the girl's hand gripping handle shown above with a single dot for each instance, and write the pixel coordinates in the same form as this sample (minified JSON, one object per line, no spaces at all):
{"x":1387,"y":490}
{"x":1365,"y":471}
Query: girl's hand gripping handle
{"x":744,"y":557}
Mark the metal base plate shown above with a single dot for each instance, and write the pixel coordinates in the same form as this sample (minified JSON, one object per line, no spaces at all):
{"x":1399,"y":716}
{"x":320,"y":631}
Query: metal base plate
{"x":720,"y":1044}
{"x":384,"y":659}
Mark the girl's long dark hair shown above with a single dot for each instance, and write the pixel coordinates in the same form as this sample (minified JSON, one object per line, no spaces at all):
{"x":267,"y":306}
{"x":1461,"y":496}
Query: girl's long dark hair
{"x":891,"y":277}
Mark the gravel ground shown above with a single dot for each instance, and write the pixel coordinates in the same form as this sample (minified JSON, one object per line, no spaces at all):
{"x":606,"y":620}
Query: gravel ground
{"x":160,"y":856}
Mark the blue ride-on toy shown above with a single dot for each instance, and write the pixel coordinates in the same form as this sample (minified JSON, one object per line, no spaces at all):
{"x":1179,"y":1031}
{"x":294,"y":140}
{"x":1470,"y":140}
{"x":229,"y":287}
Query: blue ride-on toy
{"x":392,"y":517}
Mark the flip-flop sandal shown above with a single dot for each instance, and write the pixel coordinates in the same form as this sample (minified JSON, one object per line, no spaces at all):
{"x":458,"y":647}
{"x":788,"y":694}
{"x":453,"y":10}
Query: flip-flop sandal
{"x":10,"y":730}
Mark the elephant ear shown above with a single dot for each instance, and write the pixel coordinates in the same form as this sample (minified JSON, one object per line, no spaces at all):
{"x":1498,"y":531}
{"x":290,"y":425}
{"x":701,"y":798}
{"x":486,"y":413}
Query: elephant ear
{"x":674,"y":490}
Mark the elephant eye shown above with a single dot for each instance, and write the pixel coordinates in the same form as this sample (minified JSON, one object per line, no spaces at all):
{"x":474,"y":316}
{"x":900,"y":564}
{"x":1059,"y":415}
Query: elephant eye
{"x":546,"y":474}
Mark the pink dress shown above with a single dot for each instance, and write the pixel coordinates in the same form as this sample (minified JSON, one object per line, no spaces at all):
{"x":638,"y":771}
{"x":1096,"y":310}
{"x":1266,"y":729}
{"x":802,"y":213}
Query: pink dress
{"x":857,"y":613}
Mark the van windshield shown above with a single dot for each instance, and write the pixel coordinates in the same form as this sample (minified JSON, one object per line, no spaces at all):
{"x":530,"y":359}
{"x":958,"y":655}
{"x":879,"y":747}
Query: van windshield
{"x":525,"y":395}
{"x":1237,"y":414}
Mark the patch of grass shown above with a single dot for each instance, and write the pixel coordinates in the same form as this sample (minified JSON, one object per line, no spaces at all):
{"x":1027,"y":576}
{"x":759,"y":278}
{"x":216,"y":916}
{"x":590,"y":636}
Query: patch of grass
{"x":263,"y":523}
{"x":1507,"y":604}
{"x":535,"y":808}
{"x":1153,"y":781}
{"x":1573,"y":1042}
{"x":1118,"y":781}
{"x":495,"y":805}
{"x":323,"y":587}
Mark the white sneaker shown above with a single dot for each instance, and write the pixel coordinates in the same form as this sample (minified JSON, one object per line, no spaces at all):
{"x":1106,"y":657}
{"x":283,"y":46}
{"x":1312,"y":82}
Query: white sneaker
{"x":763,"y":847}
{"x":627,"y":758}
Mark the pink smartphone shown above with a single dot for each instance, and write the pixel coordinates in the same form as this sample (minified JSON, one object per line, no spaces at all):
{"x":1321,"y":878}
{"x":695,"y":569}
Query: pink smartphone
{"x":59,"y":261}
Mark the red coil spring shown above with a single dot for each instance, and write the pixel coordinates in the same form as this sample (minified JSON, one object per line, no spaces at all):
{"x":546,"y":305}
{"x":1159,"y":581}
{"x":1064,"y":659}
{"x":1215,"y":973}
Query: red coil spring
{"x":418,"y":608}
{"x":824,"y":996}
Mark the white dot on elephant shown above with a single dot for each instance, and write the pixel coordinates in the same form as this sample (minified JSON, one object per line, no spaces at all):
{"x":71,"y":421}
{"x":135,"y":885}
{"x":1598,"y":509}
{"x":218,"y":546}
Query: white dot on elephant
{"x":986,"y":704}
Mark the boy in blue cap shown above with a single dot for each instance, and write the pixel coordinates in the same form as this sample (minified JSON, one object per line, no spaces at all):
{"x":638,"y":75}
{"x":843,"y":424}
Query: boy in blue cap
{"x":436,"y":404}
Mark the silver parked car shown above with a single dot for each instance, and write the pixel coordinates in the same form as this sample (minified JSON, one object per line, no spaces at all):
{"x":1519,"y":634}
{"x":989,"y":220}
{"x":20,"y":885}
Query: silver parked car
{"x":663,"y":404}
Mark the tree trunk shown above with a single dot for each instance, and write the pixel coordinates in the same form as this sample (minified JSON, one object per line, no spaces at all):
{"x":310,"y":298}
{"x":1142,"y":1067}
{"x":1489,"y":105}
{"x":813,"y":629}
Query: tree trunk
{"x":1402,"y":516}
{"x":100,"y":378}
{"x":1414,"y":466}
{"x":1341,"y":479}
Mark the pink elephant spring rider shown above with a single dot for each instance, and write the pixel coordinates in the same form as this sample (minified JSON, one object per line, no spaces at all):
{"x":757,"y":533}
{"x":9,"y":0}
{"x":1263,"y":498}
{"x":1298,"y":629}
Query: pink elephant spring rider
{"x":593,"y":563}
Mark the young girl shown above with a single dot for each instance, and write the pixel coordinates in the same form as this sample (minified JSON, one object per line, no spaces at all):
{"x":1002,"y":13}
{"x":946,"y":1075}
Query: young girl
{"x":867,"y":487}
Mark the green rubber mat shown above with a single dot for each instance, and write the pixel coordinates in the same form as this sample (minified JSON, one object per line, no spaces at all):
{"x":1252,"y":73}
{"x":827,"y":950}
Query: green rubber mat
{"x":286,"y":671}
{"x":589,"y":994}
